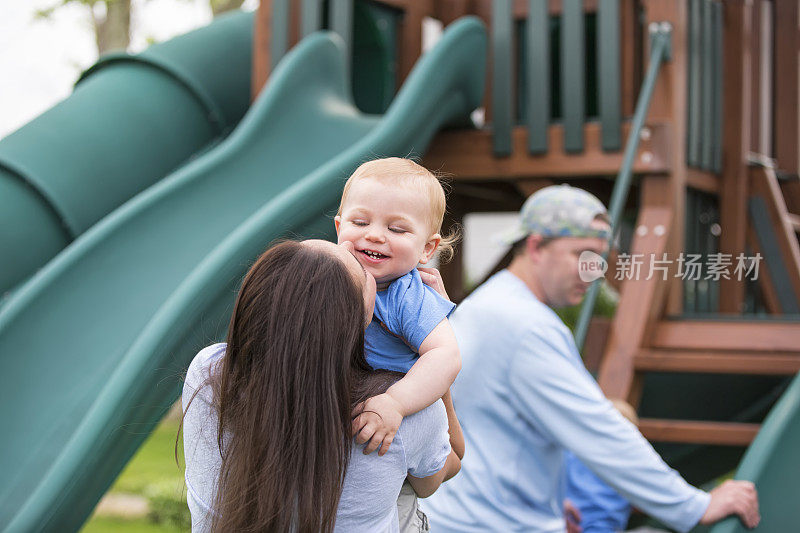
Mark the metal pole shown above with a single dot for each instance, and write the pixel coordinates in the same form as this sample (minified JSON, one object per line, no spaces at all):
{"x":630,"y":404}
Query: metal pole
{"x":660,"y":51}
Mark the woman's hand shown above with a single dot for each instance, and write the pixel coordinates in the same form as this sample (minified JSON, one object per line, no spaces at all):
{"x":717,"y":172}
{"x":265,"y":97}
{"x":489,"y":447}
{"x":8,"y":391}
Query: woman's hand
{"x":433,"y":279}
{"x":377,"y":422}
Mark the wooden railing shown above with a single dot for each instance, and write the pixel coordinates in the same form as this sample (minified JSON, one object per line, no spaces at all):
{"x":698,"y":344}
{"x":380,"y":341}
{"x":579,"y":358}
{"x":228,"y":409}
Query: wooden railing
{"x":522,"y":88}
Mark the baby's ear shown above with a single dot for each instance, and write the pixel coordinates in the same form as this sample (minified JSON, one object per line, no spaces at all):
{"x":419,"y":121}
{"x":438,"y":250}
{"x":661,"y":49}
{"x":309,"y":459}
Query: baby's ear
{"x":430,"y":248}
{"x":337,"y":221}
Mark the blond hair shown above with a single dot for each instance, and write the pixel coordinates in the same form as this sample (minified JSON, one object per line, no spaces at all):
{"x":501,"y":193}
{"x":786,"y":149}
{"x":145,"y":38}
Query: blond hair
{"x":405,"y":172}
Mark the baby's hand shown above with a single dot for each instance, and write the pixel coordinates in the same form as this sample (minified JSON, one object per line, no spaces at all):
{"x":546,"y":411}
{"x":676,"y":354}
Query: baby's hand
{"x":377,"y":422}
{"x":433,"y":278}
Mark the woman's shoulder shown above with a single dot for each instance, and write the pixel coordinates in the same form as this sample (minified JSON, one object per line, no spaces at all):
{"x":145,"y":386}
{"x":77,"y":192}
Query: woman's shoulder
{"x":425,"y":440}
{"x":203,"y":364}
{"x":424,"y":425}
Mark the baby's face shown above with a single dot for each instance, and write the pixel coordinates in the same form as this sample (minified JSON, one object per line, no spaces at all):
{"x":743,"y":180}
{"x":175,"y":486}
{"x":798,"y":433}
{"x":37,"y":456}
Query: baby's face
{"x":388,"y":227}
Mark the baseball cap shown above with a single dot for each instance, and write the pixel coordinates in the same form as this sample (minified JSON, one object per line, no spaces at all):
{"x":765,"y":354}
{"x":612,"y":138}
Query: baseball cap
{"x":557,"y":211}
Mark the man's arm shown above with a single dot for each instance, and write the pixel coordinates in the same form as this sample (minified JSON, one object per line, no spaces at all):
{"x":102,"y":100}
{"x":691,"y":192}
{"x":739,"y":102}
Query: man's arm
{"x":556,"y":394}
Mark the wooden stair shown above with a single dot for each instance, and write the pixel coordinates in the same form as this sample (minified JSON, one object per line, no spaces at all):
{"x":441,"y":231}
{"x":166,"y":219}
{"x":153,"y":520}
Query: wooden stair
{"x":714,"y":347}
{"x":641,"y":341}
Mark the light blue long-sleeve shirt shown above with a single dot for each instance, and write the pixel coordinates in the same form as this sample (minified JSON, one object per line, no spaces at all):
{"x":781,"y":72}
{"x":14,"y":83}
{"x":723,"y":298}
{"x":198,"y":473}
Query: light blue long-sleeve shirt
{"x":524,"y":396}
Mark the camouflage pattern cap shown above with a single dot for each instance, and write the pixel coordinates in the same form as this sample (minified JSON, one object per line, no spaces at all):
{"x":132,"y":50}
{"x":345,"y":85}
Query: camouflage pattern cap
{"x":557,"y":211}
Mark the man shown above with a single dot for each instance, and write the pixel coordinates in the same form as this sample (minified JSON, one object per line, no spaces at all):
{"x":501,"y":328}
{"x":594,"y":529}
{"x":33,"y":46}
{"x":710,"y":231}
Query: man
{"x":524,"y":396}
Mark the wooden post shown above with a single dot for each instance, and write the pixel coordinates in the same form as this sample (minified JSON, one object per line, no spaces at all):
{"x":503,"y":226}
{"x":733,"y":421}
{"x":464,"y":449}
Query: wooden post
{"x":737,"y":47}
{"x":410,"y":36}
{"x":669,"y":104}
{"x":641,"y":300}
{"x":449,"y":10}
{"x":453,"y":272}
{"x":262,"y":34}
{"x":631,"y":56}
{"x":787,"y":105}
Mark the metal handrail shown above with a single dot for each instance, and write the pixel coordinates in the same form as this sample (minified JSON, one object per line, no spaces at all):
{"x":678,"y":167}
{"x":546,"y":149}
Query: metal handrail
{"x":660,"y":52}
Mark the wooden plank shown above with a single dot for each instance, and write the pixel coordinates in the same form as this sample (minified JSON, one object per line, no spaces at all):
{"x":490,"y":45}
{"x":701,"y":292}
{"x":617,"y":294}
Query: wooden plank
{"x":696,"y":432}
{"x":764,"y":103}
{"x":453,"y":271}
{"x":262,"y":36}
{"x":669,"y":104}
{"x":780,"y":271}
{"x":736,"y":335}
{"x":411,"y":37}
{"x":448,"y":11}
{"x":538,"y":71}
{"x":311,"y":19}
{"x":703,"y":180}
{"x":467,"y":154}
{"x":765,"y":185}
{"x":716,"y":87}
{"x":778,"y":363}
{"x":502,"y":88}
{"x":791,"y":193}
{"x":279,"y":30}
{"x":706,"y":87}
{"x":694,"y":92}
{"x":756,"y":71}
{"x":787,"y":93}
{"x":639,"y":304}
{"x":596,"y":339}
{"x":737,"y":34}
{"x":573,"y":75}
{"x":483,"y":10}
{"x":295,"y":14}
{"x":340,"y":20}
{"x":630,"y":50}
{"x":794,"y":221}
{"x":765,"y":281}
{"x":608,"y":68}
{"x":519,"y":8}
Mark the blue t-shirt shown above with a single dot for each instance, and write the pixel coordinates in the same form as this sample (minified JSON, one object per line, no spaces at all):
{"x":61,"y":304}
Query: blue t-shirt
{"x":405,"y":313}
{"x":602,"y":509}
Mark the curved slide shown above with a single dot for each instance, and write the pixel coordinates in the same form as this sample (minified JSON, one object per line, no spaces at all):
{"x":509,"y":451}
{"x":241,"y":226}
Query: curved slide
{"x":773,"y":463}
{"x":93,"y":345}
{"x":131,"y":120}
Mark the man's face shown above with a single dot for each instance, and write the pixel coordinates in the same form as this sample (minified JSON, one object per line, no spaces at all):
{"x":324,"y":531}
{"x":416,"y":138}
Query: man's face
{"x":557,"y":267}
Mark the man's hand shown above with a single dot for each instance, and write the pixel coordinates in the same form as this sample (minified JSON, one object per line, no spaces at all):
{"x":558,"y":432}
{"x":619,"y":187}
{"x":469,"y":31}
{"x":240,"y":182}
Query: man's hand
{"x":376,"y":422}
{"x":432,"y":278}
{"x":573,"y":517}
{"x":733,"y":497}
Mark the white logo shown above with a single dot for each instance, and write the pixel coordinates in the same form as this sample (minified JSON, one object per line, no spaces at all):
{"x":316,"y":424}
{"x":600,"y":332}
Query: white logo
{"x":591,"y":266}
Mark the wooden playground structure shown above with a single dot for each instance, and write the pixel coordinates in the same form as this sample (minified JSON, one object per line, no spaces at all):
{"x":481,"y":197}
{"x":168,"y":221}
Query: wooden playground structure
{"x":714,"y":167}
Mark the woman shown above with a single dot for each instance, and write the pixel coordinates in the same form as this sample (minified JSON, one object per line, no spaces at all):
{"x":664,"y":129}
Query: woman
{"x":268,"y":414}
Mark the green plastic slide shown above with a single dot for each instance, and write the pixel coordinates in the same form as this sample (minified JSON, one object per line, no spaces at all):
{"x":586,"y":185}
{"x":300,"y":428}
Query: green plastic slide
{"x":773,"y":463}
{"x":130,"y":121}
{"x":94,"y":344}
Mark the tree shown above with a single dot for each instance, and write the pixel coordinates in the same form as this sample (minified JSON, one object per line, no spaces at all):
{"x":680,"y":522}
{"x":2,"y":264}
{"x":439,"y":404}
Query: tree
{"x":112,"y":19}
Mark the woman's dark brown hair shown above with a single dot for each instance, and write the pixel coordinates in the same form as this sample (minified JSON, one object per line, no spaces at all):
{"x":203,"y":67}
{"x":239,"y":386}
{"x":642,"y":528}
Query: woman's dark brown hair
{"x":284,"y":392}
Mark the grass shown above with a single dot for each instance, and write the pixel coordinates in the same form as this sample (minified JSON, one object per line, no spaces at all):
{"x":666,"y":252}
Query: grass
{"x":154,"y":463}
{"x":151,"y":474}
{"x":106,"y":524}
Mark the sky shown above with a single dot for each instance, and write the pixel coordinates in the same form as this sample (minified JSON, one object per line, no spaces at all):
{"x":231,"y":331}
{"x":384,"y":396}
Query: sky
{"x":40,"y":60}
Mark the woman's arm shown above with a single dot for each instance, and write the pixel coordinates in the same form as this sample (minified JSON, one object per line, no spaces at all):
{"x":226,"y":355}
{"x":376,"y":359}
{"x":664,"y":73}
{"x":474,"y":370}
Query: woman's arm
{"x":425,"y":486}
{"x":453,"y":426}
